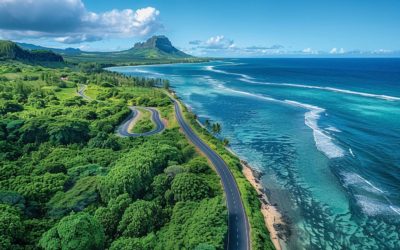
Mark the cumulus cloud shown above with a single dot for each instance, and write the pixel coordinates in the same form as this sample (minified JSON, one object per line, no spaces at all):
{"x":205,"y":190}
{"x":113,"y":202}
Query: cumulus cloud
{"x":221,"y":45}
{"x":310,"y":51}
{"x":68,"y":21}
{"x":383,"y":51}
{"x":217,"y":43}
{"x":337,"y":51}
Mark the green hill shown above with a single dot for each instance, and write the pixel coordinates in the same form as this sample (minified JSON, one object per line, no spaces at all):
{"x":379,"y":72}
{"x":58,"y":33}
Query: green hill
{"x":11,"y":51}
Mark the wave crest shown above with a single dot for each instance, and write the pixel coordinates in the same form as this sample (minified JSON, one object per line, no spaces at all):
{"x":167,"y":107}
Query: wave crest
{"x":331,"y":89}
{"x":323,"y":142}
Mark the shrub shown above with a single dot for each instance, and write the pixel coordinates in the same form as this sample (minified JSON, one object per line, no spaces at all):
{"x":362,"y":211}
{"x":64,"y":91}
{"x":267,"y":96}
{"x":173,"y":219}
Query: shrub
{"x":186,"y":187}
{"x":140,"y":218}
{"x":74,"y":232}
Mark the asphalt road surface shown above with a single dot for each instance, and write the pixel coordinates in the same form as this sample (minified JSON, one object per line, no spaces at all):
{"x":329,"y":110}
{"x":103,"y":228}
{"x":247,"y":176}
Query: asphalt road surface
{"x":81,"y":93}
{"x":238,"y":226}
{"x":123,"y":129}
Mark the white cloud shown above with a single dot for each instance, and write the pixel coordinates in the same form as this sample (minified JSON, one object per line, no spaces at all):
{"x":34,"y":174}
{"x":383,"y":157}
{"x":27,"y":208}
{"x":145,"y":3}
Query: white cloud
{"x":310,"y":51}
{"x":68,"y":21}
{"x":220,"y":45}
{"x":382,"y":51}
{"x":215,"y":40}
{"x":218,"y":42}
{"x":337,"y":51}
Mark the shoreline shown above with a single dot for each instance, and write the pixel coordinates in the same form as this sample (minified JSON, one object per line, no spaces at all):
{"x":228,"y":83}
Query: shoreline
{"x":272,"y":216}
{"x":156,"y":64}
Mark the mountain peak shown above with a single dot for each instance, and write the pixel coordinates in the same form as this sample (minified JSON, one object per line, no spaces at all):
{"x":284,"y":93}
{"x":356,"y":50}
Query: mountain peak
{"x":157,"y":42}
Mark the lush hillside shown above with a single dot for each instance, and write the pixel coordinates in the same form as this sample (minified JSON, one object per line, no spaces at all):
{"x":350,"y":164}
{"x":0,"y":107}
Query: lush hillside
{"x":11,"y":51}
{"x":67,"y":181}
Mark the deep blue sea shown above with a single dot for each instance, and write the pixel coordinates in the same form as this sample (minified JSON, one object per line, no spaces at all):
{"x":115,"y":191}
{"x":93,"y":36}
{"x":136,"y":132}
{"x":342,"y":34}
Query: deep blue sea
{"x":325,"y":133}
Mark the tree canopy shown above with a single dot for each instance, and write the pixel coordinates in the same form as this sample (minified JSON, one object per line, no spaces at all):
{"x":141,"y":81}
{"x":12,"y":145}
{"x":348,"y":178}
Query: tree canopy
{"x":74,"y":232}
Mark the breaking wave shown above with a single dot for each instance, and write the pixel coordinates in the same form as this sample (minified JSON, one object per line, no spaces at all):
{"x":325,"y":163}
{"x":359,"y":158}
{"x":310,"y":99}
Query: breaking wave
{"x":375,"y":204}
{"x":213,"y":69}
{"x":331,"y":89}
{"x":323,"y":142}
{"x":249,"y":79}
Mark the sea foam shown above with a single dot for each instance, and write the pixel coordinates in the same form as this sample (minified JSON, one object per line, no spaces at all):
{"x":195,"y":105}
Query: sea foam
{"x":375,"y":204}
{"x":355,"y":180}
{"x":249,"y":79}
{"x":323,"y":142}
{"x":213,"y":69}
{"x":373,"y":207}
{"x":333,"y":129}
{"x":331,"y":89}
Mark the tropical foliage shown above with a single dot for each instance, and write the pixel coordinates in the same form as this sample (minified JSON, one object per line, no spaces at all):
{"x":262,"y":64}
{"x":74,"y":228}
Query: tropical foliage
{"x":67,"y":181}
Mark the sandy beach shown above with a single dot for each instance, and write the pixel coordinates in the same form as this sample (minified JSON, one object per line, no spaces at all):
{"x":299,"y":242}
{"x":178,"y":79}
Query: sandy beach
{"x":272,"y":216}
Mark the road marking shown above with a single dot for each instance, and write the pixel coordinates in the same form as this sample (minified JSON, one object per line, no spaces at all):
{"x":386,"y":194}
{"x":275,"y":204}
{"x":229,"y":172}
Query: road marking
{"x":226,"y":176}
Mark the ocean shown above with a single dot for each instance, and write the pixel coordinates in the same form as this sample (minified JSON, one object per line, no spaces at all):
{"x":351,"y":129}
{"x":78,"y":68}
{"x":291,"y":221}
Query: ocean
{"x":325,"y":133}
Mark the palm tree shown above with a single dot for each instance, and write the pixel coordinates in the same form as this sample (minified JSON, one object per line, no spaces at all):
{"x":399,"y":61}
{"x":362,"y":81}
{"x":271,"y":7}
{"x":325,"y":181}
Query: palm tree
{"x":225,"y":141}
{"x":207,"y":123}
{"x":216,"y":128}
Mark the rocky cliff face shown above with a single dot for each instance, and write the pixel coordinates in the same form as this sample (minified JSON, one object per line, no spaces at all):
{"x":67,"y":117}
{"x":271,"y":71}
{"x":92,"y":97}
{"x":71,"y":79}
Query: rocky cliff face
{"x":161,"y":43}
{"x":157,"y":42}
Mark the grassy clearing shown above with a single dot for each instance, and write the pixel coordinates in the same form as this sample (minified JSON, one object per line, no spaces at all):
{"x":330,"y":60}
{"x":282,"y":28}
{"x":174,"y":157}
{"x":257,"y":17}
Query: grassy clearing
{"x":138,"y":91}
{"x":144,"y":124}
{"x":169,"y":114}
{"x":93,"y":91}
{"x":66,"y":93}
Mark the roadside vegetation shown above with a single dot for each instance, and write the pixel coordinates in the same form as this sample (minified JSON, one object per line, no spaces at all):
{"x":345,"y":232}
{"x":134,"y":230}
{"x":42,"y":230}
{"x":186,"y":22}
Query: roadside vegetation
{"x":260,"y":238}
{"x":145,"y":123}
{"x":68,"y":182}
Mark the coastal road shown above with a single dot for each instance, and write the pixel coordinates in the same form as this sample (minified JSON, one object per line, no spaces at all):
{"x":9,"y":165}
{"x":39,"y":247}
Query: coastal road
{"x":238,"y":225}
{"x":123,"y":129}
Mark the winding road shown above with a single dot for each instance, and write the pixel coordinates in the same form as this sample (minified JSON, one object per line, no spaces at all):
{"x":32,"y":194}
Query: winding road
{"x":81,"y":93}
{"x":123,"y":129}
{"x":238,"y":225}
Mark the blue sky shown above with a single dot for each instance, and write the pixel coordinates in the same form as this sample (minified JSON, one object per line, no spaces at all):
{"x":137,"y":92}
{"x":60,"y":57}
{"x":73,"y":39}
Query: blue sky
{"x":211,"y":27}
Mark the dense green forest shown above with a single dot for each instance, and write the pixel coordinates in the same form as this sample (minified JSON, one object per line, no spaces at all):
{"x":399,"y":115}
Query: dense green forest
{"x":11,"y":51}
{"x":67,"y":181}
